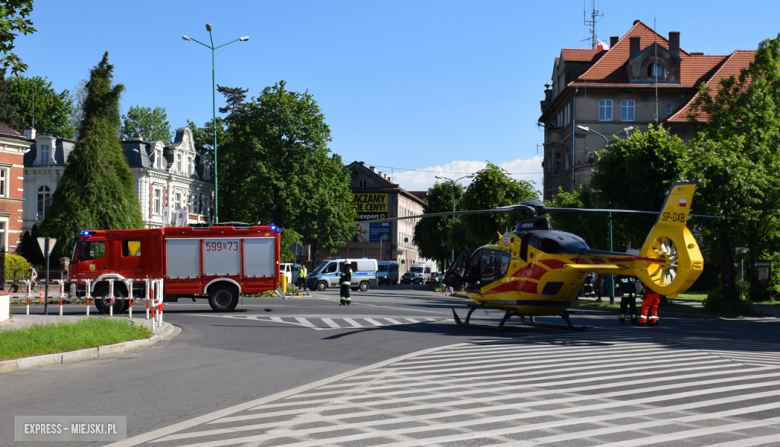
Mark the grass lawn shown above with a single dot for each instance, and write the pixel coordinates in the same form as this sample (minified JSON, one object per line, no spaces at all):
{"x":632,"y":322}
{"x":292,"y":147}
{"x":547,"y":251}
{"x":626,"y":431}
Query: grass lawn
{"x":63,"y":337}
{"x":692,"y":296}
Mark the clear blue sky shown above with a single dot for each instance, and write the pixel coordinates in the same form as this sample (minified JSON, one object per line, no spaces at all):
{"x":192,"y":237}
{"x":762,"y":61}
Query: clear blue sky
{"x":435,"y":86}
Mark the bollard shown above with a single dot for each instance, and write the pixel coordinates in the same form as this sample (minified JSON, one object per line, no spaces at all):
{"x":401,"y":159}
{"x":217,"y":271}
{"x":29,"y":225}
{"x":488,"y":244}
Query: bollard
{"x":27,"y":295}
{"x":111,"y":297}
{"x":146,"y":291}
{"x":61,"y":285}
{"x":161,"y":295}
{"x":129,"y":284}
{"x":154,"y":316}
{"x":87,"y":295}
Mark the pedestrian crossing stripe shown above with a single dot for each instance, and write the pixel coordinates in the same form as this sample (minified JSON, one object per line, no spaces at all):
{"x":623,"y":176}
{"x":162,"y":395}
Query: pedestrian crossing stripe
{"x":553,"y":389}
{"x":333,"y":323}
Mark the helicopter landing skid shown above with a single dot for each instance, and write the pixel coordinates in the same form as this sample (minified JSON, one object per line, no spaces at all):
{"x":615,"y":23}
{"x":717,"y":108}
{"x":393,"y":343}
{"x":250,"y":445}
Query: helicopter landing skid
{"x":526,"y":320}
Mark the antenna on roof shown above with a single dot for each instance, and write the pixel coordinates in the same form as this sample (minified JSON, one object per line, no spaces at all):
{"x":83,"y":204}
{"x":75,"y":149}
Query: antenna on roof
{"x":594,"y":14}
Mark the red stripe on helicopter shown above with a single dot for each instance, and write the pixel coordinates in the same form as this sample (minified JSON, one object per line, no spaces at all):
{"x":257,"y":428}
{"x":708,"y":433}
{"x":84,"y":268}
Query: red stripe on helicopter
{"x":633,"y":258}
{"x":553,"y":263}
{"x":531,"y":271}
{"x":514,"y":286}
{"x":660,"y":261}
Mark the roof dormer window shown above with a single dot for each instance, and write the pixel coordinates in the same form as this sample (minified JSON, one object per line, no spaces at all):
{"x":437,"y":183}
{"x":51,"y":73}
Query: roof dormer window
{"x":655,"y":71}
{"x":45,"y":154}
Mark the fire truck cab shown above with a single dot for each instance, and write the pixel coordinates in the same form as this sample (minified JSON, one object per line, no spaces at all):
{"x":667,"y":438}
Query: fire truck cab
{"x":215,"y":262}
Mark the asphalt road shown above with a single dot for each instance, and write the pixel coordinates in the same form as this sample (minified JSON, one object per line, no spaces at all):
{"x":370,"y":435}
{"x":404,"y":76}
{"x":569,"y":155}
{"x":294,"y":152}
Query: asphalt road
{"x":393,"y":368}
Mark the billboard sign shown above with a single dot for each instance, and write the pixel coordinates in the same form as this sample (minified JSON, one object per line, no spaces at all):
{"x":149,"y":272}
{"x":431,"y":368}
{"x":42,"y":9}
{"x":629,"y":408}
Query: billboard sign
{"x":370,"y":206}
{"x":379,"y":232}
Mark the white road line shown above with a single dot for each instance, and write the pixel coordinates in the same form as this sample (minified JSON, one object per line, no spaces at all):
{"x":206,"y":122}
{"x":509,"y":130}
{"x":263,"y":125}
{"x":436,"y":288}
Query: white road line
{"x":353,"y":322}
{"x":305,"y":322}
{"x":393,"y":321}
{"x":411,"y":320}
{"x":146,"y":437}
{"x":373,"y":322}
{"x":362,"y":413}
{"x":750,"y":442}
{"x":330,"y":323}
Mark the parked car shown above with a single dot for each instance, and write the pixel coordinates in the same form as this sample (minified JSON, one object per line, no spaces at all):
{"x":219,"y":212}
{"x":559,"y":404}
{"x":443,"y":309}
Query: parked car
{"x":412,"y":278}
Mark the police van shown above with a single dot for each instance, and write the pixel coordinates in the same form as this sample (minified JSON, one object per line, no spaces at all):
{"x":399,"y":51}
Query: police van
{"x":387,"y":273}
{"x":328,"y":273}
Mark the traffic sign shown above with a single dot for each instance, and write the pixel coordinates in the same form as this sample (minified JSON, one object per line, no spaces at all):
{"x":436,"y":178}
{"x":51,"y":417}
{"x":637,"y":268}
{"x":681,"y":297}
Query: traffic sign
{"x":42,"y":244}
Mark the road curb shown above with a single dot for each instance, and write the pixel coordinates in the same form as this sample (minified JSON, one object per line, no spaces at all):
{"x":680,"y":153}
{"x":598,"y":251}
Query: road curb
{"x":81,"y":355}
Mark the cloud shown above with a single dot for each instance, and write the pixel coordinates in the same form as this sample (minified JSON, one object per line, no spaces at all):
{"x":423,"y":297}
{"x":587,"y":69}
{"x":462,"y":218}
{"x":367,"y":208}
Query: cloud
{"x":420,"y":180}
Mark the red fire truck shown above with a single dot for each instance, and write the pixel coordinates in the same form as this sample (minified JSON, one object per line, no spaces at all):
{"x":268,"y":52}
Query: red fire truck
{"x":218,"y":262}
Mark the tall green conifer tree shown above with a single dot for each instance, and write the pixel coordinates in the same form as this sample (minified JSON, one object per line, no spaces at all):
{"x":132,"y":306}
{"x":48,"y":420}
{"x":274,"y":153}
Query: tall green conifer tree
{"x":96,"y":190}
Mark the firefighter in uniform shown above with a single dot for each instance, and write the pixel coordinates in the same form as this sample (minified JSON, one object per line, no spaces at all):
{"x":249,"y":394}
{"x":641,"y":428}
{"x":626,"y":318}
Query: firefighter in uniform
{"x":587,"y":286}
{"x":345,"y":282}
{"x":627,"y":287}
{"x":650,"y":306}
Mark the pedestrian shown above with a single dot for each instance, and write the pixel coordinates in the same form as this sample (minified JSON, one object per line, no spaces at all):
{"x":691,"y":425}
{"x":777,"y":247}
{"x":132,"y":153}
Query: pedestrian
{"x":443,"y":285}
{"x":627,"y":288}
{"x":649,"y":306}
{"x":33,"y":276}
{"x":346,"y":281}
{"x":302,"y":278}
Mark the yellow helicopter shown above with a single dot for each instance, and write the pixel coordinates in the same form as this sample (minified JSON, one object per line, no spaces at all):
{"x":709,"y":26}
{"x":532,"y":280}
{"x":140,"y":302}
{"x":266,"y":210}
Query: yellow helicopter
{"x":536,"y":270}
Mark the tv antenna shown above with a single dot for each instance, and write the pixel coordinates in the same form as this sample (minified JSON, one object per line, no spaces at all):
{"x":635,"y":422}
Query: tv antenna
{"x":594,"y":15}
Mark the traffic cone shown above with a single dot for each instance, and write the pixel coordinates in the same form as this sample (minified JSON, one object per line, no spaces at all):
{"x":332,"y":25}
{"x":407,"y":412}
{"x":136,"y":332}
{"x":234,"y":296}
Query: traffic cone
{"x":40,"y":296}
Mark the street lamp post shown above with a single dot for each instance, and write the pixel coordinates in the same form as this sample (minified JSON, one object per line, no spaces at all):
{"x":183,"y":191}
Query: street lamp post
{"x":214,"y":106}
{"x":453,"y":183}
{"x":607,"y":141}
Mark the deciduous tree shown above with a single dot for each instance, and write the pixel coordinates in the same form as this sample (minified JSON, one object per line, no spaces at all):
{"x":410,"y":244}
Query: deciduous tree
{"x":151,"y":123}
{"x":96,"y":190}
{"x":35,"y":97}
{"x":492,"y":187}
{"x":432,"y":235}
{"x":13,"y":22}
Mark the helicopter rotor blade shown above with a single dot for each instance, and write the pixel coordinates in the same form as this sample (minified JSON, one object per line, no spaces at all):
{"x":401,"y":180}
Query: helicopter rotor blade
{"x":511,"y":209}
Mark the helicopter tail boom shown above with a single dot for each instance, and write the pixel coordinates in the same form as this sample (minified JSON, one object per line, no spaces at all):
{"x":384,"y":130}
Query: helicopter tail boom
{"x":670,"y":260}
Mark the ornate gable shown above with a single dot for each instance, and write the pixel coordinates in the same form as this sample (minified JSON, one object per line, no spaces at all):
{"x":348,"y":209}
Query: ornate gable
{"x":655,"y":60}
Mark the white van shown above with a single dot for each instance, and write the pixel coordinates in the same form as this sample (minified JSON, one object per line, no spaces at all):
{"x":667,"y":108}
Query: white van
{"x":387,"y":272}
{"x":425,"y":269}
{"x":291,"y":271}
{"x":328,"y":273}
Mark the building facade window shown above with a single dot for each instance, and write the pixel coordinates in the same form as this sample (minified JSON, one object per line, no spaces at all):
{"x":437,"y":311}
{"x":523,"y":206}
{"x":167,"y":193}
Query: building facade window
{"x":668,"y":110}
{"x":4,"y":183}
{"x":362,"y":183}
{"x":605,"y":110}
{"x":157,"y":201}
{"x":655,"y":71}
{"x":557,"y":163}
{"x":45,"y":154}
{"x":177,"y":201}
{"x":178,"y":163}
{"x":44,"y":200}
{"x":627,"y":110}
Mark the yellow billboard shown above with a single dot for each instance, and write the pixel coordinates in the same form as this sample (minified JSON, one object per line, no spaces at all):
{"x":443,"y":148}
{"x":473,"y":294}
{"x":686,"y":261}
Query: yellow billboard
{"x":369,"y":203}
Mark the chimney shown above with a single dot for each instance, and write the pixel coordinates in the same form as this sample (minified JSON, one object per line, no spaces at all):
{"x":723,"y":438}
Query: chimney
{"x":674,"y":41}
{"x":633,"y":45}
{"x":29,"y":133}
{"x":373,"y":169}
{"x":613,"y":41}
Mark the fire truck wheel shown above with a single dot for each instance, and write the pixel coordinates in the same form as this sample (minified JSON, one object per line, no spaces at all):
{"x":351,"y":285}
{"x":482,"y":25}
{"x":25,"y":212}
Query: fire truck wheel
{"x":102,"y":301}
{"x":363,"y":286}
{"x":223,"y":297}
{"x":321,"y":286}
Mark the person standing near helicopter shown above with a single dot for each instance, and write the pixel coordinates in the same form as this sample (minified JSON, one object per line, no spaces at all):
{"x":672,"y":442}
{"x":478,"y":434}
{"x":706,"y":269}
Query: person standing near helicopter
{"x":627,"y":287}
{"x":345,"y":282}
{"x":650,"y":307}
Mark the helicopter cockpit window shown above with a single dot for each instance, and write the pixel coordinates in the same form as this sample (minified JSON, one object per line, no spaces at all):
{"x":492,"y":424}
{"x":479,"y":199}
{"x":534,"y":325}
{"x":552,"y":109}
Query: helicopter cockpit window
{"x":487,"y":264}
{"x":501,"y":263}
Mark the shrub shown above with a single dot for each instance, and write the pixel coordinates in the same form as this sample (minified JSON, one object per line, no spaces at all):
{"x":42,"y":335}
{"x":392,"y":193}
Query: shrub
{"x":15,"y":266}
{"x":714,"y":304}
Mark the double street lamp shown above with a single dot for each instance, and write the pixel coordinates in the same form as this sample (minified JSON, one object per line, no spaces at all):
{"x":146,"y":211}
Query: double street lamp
{"x":607,"y":141}
{"x":453,"y":183}
{"x":214,"y":106}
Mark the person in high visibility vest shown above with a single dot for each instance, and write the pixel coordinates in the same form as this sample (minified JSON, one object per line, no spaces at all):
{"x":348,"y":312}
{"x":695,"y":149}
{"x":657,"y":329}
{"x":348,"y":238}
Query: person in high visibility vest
{"x":650,"y":306}
{"x":345,"y":282}
{"x":627,"y":285}
{"x":587,"y":285}
{"x":302,"y":278}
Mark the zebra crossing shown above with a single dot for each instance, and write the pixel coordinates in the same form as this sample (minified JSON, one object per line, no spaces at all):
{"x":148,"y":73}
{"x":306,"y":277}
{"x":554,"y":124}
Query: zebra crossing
{"x":332,"y":323}
{"x":578,"y":389}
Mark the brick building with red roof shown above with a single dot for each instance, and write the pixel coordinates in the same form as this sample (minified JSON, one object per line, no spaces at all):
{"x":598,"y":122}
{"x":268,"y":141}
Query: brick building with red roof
{"x":13,"y":145}
{"x":598,"y":96}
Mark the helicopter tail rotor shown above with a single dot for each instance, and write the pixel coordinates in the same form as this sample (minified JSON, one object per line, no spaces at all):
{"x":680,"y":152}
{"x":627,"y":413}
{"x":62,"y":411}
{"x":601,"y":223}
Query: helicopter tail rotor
{"x":670,"y":260}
